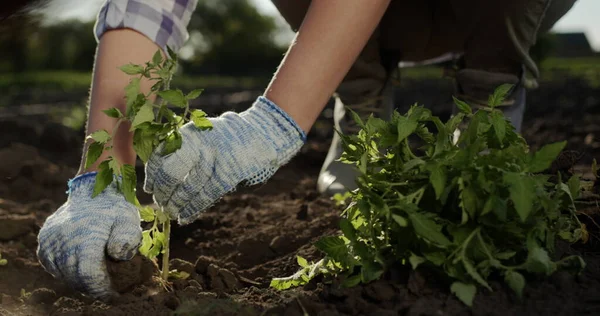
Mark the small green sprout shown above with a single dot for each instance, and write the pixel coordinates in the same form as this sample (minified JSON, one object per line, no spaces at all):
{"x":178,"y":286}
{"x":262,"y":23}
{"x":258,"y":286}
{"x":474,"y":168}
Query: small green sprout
{"x":151,"y":124}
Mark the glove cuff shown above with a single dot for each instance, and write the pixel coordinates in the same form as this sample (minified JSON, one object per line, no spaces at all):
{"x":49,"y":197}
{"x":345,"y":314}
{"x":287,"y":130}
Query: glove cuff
{"x":278,"y":128}
{"x":270,"y":107}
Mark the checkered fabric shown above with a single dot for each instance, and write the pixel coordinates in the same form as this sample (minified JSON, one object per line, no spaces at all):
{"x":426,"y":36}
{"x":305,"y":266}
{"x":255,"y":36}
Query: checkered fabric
{"x":163,"y":21}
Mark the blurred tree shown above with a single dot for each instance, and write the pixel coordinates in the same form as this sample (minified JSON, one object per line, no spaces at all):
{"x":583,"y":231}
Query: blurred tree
{"x":68,"y":45}
{"x":27,"y":44}
{"x":15,"y":36}
{"x":228,"y":37}
{"x":231,"y":37}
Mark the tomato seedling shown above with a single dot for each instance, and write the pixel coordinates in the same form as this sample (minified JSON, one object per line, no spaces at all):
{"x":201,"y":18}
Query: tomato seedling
{"x":152,"y":124}
{"x":469,"y":209}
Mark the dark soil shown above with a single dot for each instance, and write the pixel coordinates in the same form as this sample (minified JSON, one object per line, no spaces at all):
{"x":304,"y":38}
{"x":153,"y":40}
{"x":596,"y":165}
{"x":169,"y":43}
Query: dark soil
{"x":232,"y":252}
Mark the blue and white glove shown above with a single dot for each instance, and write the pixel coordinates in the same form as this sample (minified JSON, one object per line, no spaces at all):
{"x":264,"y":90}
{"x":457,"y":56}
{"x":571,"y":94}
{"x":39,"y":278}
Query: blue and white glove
{"x":74,"y":241}
{"x":245,"y":148}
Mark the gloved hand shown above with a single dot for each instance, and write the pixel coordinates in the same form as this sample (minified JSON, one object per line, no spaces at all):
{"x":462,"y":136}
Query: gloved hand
{"x":74,"y":241}
{"x":245,"y":148}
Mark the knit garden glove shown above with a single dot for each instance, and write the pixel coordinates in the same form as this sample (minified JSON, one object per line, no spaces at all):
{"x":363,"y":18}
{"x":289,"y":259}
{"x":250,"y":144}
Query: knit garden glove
{"x":245,"y":148}
{"x":74,"y":241}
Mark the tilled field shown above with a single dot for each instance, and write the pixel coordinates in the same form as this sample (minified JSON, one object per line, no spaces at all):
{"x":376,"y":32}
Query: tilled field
{"x":236,"y":247}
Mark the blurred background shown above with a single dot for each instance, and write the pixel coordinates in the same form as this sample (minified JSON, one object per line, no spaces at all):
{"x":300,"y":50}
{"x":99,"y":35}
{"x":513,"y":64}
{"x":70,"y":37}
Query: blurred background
{"x":46,"y":58}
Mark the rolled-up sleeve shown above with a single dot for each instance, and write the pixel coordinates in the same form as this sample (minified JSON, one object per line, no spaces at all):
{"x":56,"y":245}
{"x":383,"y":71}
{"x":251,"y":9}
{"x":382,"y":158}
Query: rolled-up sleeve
{"x":163,"y":21}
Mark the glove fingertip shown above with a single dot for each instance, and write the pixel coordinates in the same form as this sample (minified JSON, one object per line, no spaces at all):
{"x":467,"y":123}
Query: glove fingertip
{"x":106,"y":295}
{"x":192,"y":211}
{"x":123,"y":245}
{"x":149,"y":180}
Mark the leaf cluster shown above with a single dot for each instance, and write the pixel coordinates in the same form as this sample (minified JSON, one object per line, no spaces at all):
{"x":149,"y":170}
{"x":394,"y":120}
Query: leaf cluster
{"x":153,"y":124}
{"x":470,"y":208}
{"x":153,"y":239}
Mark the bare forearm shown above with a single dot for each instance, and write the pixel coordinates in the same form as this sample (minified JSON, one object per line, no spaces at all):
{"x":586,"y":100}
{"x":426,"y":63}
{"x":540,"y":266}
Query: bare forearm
{"x":328,"y":42}
{"x":116,"y":48}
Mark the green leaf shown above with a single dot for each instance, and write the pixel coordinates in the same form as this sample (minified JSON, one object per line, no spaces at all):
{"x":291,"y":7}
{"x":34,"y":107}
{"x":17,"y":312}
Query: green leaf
{"x":356,"y":118}
{"x":438,"y":258}
{"x":370,"y":271}
{"x":505,"y":255}
{"x":499,"y":123}
{"x":334,"y":247}
{"x":412,"y":163}
{"x":574,"y":186}
{"x":539,"y":262}
{"x":174,"y":97}
{"x":352,"y":281}
{"x":147,"y":214}
{"x":573,"y":264}
{"x":500,"y":208}
{"x":568,"y":236}
{"x":297,"y":279}
{"x":143,"y":143}
{"x":464,"y":292}
{"x":462,"y":106}
{"x":376,"y":125}
{"x":178,"y":275}
{"x":522,"y":189}
{"x":489,"y":205}
{"x":437,"y":177}
{"x":454,"y":122}
{"x":348,"y":229}
{"x":499,"y":95}
{"x":161,"y":216}
{"x":472,"y":271}
{"x":468,"y":200}
{"x":200,"y":120}
{"x":146,"y":243}
{"x":415,"y":260}
{"x":113,"y":112}
{"x":113,"y":164}
{"x":156,"y":86}
{"x":129,"y":183}
{"x":100,"y":136}
{"x":94,"y":152}
{"x":418,"y":113}
{"x":145,"y":114}
{"x":171,"y":53}
{"x":172,"y":143}
{"x":131,"y":93}
{"x":194,"y":94}
{"x":302,"y":262}
{"x":405,"y":128}
{"x":158,"y":239}
{"x":400,"y":220}
{"x":340,"y":199}
{"x":3,"y":262}
{"x":543,"y":158}
{"x":157,"y":58}
{"x":428,"y":229}
{"x":515,"y":281}
{"x":104,"y":177}
{"x":132,"y":69}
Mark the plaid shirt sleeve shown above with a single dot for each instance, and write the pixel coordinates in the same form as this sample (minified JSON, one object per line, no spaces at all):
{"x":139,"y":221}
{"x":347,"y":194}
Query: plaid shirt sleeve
{"x":163,"y":21}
